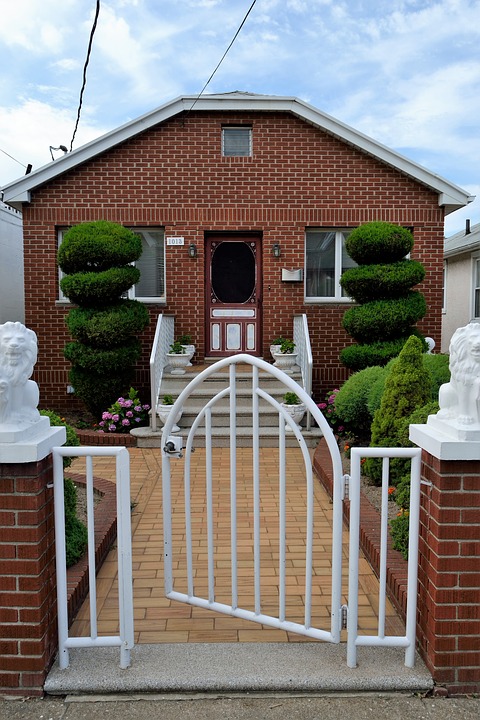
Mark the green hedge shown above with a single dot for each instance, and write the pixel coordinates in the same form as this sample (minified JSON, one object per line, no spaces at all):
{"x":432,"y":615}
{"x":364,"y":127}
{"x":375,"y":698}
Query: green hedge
{"x":107,"y":328}
{"x":376,"y":282}
{"x":374,"y":240}
{"x":351,"y":402}
{"x":97,"y":289}
{"x":76,"y":535}
{"x":100,"y":360}
{"x":384,"y":319}
{"x":358,"y":357}
{"x":97,"y":246}
{"x":97,"y":390}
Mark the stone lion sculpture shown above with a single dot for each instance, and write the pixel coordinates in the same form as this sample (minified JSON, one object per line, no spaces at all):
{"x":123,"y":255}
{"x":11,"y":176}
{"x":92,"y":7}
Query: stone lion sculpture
{"x":459,"y":399}
{"x":19,"y":396}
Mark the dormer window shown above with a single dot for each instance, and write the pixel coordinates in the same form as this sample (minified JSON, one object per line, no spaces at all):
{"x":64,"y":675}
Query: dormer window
{"x":237,"y":141}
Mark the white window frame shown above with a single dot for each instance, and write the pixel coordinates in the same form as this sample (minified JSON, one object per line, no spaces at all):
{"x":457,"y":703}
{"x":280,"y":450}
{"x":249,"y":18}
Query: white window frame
{"x":158,"y":300}
{"x":337,"y":296}
{"x":475,"y":285}
{"x":235,"y":128}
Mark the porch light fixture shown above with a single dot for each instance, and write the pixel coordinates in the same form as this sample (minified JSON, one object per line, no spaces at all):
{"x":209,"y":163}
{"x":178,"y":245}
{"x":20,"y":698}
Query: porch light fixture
{"x":192,"y":250}
{"x":276,"y":251}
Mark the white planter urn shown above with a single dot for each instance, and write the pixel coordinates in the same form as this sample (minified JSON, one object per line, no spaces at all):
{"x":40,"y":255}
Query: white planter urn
{"x":296,"y":411}
{"x":285,"y":361}
{"x":178,"y":363}
{"x":190,"y":351}
{"x":163,"y":411}
{"x":273,"y":350}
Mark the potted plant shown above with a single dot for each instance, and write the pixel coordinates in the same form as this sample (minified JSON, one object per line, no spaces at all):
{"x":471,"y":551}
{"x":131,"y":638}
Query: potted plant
{"x":294,"y":407}
{"x":177,"y":358}
{"x":164,"y":408}
{"x":186,"y":341}
{"x":275,"y":344}
{"x":285,"y":357}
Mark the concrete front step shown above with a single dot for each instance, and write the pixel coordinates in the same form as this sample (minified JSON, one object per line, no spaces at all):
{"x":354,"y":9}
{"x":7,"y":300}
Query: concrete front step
{"x":221,"y":437}
{"x":215,"y":383}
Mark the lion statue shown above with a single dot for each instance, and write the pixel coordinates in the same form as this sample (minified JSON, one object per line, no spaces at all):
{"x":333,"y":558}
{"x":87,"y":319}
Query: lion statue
{"x":19,"y":396}
{"x":459,"y":399}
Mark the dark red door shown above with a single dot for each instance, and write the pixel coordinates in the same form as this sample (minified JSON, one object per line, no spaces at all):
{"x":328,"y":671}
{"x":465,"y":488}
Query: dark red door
{"x":233,"y":288}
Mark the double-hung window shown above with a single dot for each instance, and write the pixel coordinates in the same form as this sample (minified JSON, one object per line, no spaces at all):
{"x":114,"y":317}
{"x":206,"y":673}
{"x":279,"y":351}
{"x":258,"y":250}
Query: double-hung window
{"x":325,"y":260}
{"x":151,"y":263}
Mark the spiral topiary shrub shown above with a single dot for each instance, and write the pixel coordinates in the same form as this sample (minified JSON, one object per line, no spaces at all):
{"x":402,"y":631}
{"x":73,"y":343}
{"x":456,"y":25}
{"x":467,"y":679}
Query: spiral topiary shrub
{"x":96,"y":258}
{"x":382,"y":285}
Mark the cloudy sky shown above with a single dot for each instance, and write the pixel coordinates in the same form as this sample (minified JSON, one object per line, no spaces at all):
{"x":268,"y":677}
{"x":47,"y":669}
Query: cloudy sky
{"x":405,"y":72}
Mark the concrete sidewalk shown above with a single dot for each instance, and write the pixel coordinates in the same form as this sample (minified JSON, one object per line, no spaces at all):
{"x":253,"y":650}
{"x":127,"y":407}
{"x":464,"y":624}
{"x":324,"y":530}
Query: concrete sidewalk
{"x":244,"y":707}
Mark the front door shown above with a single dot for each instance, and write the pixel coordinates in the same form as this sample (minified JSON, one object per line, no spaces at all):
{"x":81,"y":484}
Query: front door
{"x":233,"y":286}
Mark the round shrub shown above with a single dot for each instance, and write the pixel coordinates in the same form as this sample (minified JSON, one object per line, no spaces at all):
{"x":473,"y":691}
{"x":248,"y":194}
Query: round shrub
{"x":383,"y":319}
{"x":97,"y":246}
{"x":377,"y":282}
{"x":374,"y":240}
{"x":96,"y":289}
{"x":351,"y":402}
{"x":439,"y":369}
{"x":100,"y":360}
{"x":107,"y":328}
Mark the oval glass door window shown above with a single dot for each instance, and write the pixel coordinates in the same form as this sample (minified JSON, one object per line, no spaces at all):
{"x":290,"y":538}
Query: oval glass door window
{"x":233,"y":272}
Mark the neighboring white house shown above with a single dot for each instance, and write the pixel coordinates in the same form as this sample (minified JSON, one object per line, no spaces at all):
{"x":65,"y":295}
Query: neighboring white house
{"x":461,"y":281}
{"x":12,"y":299}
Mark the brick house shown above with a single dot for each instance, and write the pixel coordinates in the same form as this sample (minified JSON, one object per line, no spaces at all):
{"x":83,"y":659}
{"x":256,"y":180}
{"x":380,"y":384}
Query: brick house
{"x":262,"y":184}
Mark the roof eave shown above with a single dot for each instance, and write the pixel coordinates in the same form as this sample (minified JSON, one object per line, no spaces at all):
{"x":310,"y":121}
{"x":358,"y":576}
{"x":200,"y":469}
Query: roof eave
{"x":450,"y":196}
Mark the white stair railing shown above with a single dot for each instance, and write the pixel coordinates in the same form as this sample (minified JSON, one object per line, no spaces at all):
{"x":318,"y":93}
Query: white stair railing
{"x":164,"y":336}
{"x":301,"y":338}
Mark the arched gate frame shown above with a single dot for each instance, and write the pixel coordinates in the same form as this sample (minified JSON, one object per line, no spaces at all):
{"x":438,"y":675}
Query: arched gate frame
{"x":207,"y":599}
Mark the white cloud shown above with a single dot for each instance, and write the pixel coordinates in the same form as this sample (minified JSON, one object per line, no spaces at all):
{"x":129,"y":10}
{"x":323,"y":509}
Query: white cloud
{"x":28,"y":130}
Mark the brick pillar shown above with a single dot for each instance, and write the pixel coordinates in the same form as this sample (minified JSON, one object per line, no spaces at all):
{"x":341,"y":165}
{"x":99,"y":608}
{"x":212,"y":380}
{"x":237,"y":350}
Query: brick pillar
{"x":449,"y":562}
{"x":28,"y":630}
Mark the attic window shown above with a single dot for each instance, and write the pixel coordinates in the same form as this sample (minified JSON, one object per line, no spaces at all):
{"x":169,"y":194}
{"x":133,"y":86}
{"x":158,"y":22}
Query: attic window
{"x":237,"y":141}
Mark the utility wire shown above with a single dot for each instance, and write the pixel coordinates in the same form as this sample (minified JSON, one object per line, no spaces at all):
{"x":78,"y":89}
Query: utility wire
{"x":222,"y":58}
{"x":92,"y":32}
{"x":12,"y":158}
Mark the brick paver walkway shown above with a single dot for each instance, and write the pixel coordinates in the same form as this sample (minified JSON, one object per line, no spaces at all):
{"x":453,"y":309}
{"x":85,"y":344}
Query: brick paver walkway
{"x":158,"y":620}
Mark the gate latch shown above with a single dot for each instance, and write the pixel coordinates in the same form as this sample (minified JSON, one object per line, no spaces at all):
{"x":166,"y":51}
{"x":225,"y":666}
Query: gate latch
{"x":173,"y":446}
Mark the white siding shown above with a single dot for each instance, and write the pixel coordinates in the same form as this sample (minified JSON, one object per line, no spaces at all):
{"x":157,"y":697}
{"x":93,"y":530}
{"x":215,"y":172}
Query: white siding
{"x":12,"y":302}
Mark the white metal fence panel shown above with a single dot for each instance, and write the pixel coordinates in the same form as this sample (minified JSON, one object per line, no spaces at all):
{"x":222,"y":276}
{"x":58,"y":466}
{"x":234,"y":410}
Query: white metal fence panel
{"x":205,"y":416}
{"x":124,"y":543}
{"x":406,"y":641}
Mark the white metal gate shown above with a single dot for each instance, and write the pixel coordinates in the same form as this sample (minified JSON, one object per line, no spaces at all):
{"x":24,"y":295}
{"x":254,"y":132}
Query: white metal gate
{"x":340,"y":615}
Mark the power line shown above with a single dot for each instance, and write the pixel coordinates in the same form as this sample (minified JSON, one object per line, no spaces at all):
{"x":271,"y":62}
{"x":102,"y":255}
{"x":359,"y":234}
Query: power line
{"x":12,"y":158}
{"x":92,"y":32}
{"x":223,"y":57}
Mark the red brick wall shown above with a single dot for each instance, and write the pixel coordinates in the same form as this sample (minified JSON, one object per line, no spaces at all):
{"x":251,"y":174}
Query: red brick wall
{"x":174,"y":176}
{"x":28,"y":630}
{"x":449,"y":573}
